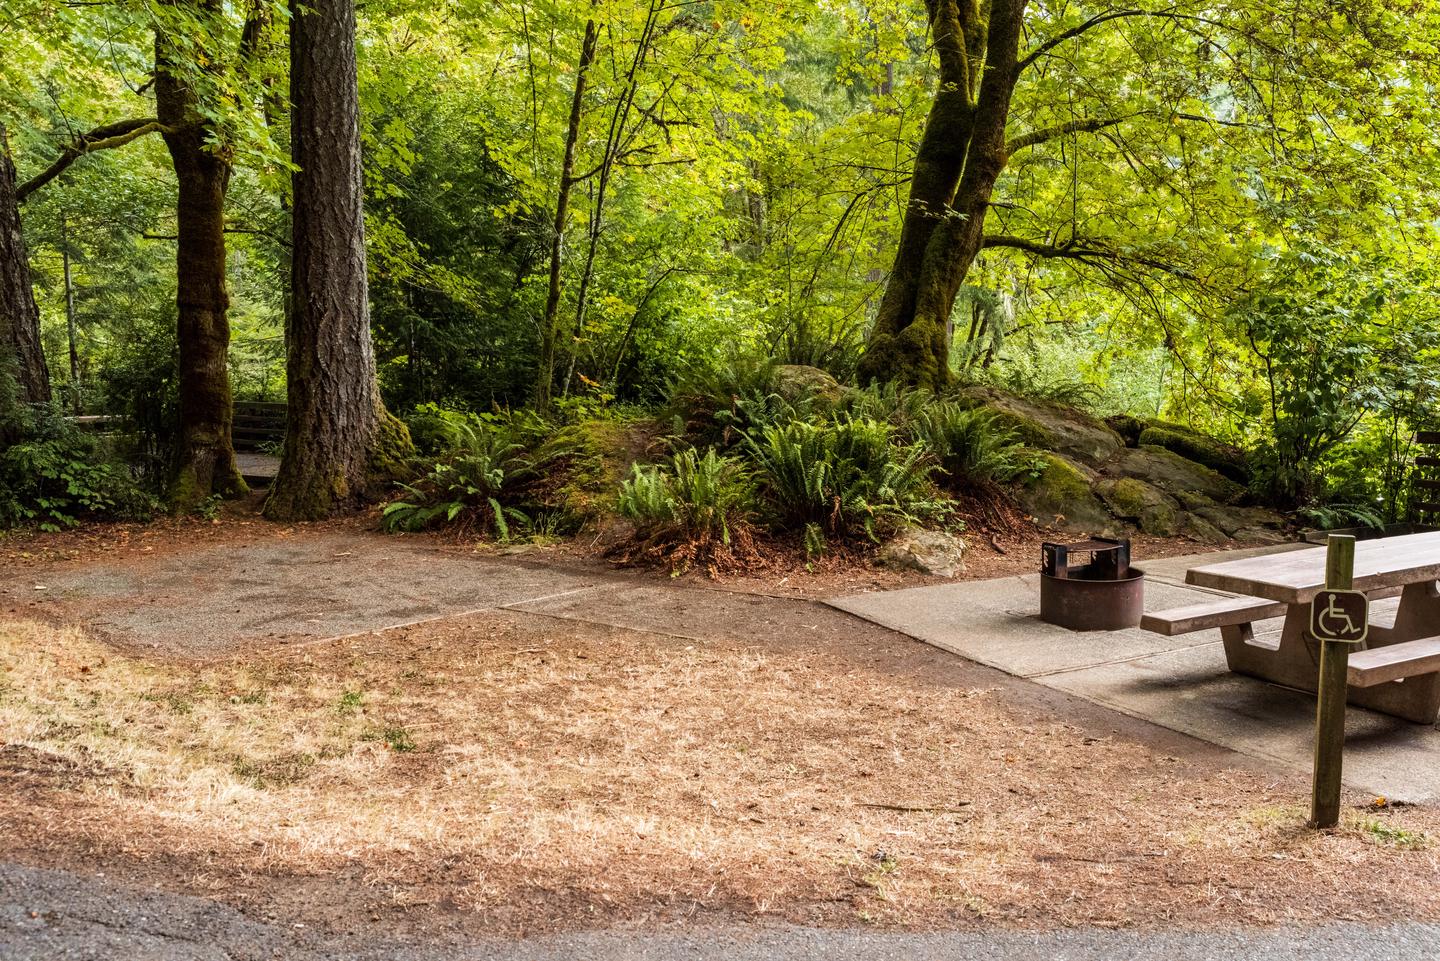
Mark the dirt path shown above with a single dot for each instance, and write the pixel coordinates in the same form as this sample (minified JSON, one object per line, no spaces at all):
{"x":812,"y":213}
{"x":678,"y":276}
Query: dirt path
{"x":545,"y":747}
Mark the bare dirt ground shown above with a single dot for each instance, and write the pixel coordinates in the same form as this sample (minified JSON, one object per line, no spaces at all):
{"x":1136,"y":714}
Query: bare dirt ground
{"x":527,"y":770}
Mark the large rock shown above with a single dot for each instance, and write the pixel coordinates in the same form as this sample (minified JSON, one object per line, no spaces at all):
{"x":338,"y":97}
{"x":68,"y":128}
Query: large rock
{"x":1193,"y":485}
{"x":934,"y":553}
{"x":797,"y":382}
{"x":1199,"y":529}
{"x":1145,"y":505}
{"x":1059,"y":495}
{"x":1053,"y":427}
{"x":1193,"y":445}
{"x":1233,"y":520}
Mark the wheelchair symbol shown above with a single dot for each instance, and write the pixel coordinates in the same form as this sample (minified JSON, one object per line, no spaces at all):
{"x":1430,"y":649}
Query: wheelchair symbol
{"x":1340,"y":616}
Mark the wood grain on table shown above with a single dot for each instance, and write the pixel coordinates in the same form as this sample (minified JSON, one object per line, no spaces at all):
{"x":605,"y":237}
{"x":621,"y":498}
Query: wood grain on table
{"x":1295,"y":577}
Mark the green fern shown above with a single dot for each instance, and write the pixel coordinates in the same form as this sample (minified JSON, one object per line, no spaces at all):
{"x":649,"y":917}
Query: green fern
{"x":492,"y":475}
{"x":694,"y":510}
{"x":845,"y":478}
{"x":972,"y":445}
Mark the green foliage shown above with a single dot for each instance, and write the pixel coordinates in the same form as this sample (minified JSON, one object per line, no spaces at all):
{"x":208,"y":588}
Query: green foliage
{"x":1337,"y":515}
{"x":1332,"y":341}
{"x":496,"y":475}
{"x":54,"y":476}
{"x":696,"y":509}
{"x":897,"y":405}
{"x":845,"y":478}
{"x":973,"y":446}
{"x":712,"y":401}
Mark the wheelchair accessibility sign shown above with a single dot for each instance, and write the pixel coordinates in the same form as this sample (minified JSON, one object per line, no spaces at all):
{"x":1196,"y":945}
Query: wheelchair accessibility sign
{"x":1342,"y":616}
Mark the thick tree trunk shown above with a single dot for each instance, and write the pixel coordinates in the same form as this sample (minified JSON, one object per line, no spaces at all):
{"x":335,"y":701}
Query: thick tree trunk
{"x":22,"y":359}
{"x":961,"y":153}
{"x":204,"y":457}
{"x":545,"y":374}
{"x":338,"y":437}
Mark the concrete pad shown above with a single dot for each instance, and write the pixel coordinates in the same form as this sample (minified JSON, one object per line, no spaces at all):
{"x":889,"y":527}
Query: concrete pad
{"x":204,"y":603}
{"x":997,"y":623}
{"x":1181,"y":683}
{"x":1193,"y":691}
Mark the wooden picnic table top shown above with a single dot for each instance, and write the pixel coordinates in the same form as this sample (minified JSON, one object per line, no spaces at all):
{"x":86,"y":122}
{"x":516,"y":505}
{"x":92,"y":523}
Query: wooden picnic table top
{"x":1295,"y":577}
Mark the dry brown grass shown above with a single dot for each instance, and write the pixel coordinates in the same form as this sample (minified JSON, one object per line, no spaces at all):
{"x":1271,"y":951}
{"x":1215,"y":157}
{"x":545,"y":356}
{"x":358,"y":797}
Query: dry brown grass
{"x":542,"y":771}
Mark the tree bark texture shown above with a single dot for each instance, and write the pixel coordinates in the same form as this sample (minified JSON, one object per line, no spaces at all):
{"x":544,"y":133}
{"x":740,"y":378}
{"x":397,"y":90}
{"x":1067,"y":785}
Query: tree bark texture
{"x":961,"y":154}
{"x":545,"y":374}
{"x":23,"y":359}
{"x":204,"y":456}
{"x":338,"y":436}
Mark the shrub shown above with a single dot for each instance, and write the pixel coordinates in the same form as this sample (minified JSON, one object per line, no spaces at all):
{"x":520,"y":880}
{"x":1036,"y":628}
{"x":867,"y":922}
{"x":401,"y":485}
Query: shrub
{"x":897,"y":406}
{"x":495,"y":478}
{"x":973,"y":445}
{"x":437,"y":430}
{"x":844,"y":478}
{"x":1339,"y":515}
{"x":704,"y":397}
{"x":693,"y":510}
{"x":53,"y":476}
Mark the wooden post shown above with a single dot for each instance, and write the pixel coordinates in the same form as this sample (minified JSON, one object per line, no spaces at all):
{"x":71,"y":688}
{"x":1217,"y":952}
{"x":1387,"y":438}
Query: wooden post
{"x":1330,"y":695}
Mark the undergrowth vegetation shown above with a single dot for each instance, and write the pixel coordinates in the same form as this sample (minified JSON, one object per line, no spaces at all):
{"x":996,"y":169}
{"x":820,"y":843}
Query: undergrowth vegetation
{"x":695,"y":509}
{"x":845,"y":478}
{"x":748,"y":460}
{"x":496,"y":475}
{"x":53,"y":476}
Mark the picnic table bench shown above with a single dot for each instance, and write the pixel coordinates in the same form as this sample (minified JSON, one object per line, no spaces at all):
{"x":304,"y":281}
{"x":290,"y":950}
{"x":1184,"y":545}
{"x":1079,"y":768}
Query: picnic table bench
{"x":1398,"y":670}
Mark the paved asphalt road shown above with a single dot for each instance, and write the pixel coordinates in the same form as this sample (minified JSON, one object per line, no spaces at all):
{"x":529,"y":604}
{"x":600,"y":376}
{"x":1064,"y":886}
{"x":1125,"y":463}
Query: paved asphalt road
{"x":56,"y":916}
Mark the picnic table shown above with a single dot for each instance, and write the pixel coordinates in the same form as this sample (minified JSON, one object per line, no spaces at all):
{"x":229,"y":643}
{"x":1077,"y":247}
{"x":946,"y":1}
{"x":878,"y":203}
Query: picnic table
{"x":1398,"y":670}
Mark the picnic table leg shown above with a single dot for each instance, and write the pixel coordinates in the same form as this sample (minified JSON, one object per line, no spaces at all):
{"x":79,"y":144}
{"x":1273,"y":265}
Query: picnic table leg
{"x":1416,"y":698}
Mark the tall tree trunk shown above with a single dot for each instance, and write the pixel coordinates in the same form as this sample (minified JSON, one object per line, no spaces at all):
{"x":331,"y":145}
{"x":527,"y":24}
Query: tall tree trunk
{"x":22,"y":359}
{"x":545,"y":375}
{"x":338,"y":437}
{"x":961,"y":153}
{"x":70,"y":319}
{"x":204,"y":457}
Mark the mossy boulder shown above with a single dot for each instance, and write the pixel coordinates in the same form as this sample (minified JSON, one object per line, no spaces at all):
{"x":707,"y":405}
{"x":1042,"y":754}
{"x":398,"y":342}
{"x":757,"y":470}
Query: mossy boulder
{"x":603,"y":451}
{"x":1128,"y":427}
{"x":1199,"y":529}
{"x":1193,"y":445}
{"x":797,"y":382}
{"x":1235,"y":520}
{"x":1145,"y":505}
{"x":1052,"y":427}
{"x":1190,"y":483}
{"x":1059,"y":495}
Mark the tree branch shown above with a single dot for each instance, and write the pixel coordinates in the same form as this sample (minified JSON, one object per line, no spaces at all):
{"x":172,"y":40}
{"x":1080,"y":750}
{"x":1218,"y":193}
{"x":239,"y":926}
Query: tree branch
{"x":1073,"y":32}
{"x":1086,"y":125}
{"x":1076,"y":250}
{"x":105,"y":137}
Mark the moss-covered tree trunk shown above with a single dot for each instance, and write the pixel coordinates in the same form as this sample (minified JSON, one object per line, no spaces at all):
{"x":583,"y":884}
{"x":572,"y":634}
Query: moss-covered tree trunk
{"x":22,"y":361}
{"x":961,"y":153}
{"x":204,"y":456}
{"x":338,"y":437}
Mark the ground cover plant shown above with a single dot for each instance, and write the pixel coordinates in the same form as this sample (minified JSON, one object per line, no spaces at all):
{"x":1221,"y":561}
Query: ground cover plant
{"x":52,"y":476}
{"x":495,"y":475}
{"x":695,"y":510}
